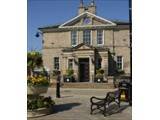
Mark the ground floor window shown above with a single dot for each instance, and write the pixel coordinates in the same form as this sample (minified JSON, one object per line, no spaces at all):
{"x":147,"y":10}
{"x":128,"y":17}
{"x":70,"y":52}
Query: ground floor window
{"x":119,"y":62}
{"x":70,"y":63}
{"x":56,"y":63}
{"x":98,"y":63}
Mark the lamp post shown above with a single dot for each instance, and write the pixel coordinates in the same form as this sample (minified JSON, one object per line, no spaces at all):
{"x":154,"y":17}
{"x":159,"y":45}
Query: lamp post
{"x":38,"y":34}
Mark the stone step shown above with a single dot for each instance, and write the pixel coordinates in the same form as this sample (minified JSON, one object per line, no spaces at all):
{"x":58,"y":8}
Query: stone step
{"x":86,"y":85}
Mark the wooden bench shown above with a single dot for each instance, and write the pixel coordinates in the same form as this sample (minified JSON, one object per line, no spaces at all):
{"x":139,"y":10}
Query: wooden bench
{"x":98,"y":103}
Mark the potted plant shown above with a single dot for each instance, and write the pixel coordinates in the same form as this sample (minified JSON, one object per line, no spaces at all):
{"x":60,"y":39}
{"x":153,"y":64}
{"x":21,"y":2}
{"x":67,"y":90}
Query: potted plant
{"x":118,"y":76}
{"x":37,"y":84}
{"x":99,"y":75}
{"x":69,"y":76}
{"x":39,"y":106}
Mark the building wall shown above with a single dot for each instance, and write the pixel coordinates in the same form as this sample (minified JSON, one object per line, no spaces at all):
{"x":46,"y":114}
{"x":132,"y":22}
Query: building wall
{"x":122,"y":47}
{"x":57,"y":39}
{"x":116,"y":40}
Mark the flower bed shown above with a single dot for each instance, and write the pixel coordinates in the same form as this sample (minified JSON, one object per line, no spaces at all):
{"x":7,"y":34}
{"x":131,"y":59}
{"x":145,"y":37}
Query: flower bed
{"x":39,"y":102}
{"x":37,"y":81}
{"x":38,"y":106}
{"x":37,"y":85}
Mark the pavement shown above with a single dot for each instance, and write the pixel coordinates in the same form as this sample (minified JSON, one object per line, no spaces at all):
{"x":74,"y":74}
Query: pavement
{"x":74,"y":104}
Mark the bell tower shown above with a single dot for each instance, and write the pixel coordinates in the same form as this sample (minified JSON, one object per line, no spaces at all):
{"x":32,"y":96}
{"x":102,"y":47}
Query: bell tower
{"x":90,"y":8}
{"x":81,"y":7}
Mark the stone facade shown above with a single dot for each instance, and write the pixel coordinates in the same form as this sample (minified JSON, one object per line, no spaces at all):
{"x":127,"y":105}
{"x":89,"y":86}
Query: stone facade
{"x":57,"y":43}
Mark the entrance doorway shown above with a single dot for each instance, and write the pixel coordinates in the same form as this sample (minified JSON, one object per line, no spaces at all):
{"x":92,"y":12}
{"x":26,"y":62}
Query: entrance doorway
{"x":84,"y":69}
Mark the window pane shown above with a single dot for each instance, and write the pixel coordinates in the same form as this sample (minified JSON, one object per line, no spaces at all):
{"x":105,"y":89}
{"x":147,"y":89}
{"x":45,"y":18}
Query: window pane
{"x":56,"y":63}
{"x":100,"y":37}
{"x":87,"y":37}
{"x":119,"y":63}
{"x":70,"y":64}
{"x":98,"y":63}
{"x":73,"y":37}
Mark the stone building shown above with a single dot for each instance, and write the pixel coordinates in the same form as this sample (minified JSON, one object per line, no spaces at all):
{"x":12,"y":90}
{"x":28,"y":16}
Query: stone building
{"x":86,"y":43}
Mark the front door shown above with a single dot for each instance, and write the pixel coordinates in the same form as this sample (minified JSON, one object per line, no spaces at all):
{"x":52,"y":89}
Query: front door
{"x":84,"y":69}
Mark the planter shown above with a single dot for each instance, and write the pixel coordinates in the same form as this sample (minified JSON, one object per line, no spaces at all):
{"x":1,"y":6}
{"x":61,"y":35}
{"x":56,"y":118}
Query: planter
{"x":39,"y":112}
{"x":69,"y":79}
{"x":31,"y":90}
{"x":98,"y":80}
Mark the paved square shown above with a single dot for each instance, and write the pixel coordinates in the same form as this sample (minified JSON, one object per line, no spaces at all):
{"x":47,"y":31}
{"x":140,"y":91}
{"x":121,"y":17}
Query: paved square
{"x":74,"y":104}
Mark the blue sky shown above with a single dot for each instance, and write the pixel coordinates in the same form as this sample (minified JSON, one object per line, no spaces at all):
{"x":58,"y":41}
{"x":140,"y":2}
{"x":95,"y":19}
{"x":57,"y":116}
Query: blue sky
{"x":49,"y":12}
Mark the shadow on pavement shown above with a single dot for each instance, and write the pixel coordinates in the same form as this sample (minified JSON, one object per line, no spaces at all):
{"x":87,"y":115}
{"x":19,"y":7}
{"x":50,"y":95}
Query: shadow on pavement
{"x":66,"y":96}
{"x":64,"y":107}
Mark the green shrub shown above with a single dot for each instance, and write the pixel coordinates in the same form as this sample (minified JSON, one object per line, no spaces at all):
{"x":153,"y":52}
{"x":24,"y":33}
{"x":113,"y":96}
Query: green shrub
{"x":39,"y":102}
{"x":69,"y":72}
{"x":99,"y":73}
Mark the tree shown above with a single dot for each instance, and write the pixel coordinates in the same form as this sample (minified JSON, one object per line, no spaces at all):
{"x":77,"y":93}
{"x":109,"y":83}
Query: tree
{"x":34,"y":59}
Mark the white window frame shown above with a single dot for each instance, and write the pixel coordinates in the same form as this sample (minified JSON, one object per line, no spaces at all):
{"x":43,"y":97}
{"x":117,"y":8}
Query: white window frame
{"x":122,"y":61}
{"x":90,"y":36}
{"x":102,"y":38}
{"x":68,"y":63}
{"x":76,"y":38}
{"x":58,"y":62}
{"x":97,"y":63}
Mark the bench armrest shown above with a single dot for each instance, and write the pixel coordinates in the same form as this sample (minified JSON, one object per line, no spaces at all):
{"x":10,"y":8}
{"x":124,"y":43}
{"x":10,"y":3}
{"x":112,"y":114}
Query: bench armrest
{"x":92,"y":99}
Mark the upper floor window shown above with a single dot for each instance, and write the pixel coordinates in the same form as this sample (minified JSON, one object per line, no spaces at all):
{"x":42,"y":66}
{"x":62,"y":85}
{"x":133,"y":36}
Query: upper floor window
{"x":87,"y":37}
{"x":56,"y":63}
{"x":73,"y":38}
{"x":100,"y":39}
{"x":119,"y":62}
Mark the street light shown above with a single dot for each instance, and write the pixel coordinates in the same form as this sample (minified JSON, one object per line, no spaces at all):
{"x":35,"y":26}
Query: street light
{"x":38,"y":34}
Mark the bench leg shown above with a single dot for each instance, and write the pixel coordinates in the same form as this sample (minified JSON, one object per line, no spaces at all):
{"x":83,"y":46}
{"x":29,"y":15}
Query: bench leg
{"x":91,"y":109}
{"x":119,"y":104}
{"x":104,"y":112}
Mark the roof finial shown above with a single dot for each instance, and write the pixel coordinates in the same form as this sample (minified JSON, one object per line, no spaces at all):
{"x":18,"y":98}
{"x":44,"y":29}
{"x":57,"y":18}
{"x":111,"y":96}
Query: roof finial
{"x":81,"y":3}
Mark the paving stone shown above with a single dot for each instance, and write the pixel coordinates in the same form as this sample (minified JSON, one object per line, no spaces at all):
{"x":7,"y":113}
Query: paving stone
{"x":74,"y":104}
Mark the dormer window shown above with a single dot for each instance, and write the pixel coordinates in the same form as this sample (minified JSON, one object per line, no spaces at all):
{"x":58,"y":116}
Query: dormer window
{"x":73,"y":38}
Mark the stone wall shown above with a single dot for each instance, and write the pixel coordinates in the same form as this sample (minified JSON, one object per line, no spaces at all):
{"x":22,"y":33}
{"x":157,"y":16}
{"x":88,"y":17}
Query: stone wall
{"x":117,"y":41}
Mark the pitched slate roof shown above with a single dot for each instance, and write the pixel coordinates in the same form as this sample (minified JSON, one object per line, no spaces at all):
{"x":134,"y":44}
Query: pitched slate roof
{"x":51,"y":26}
